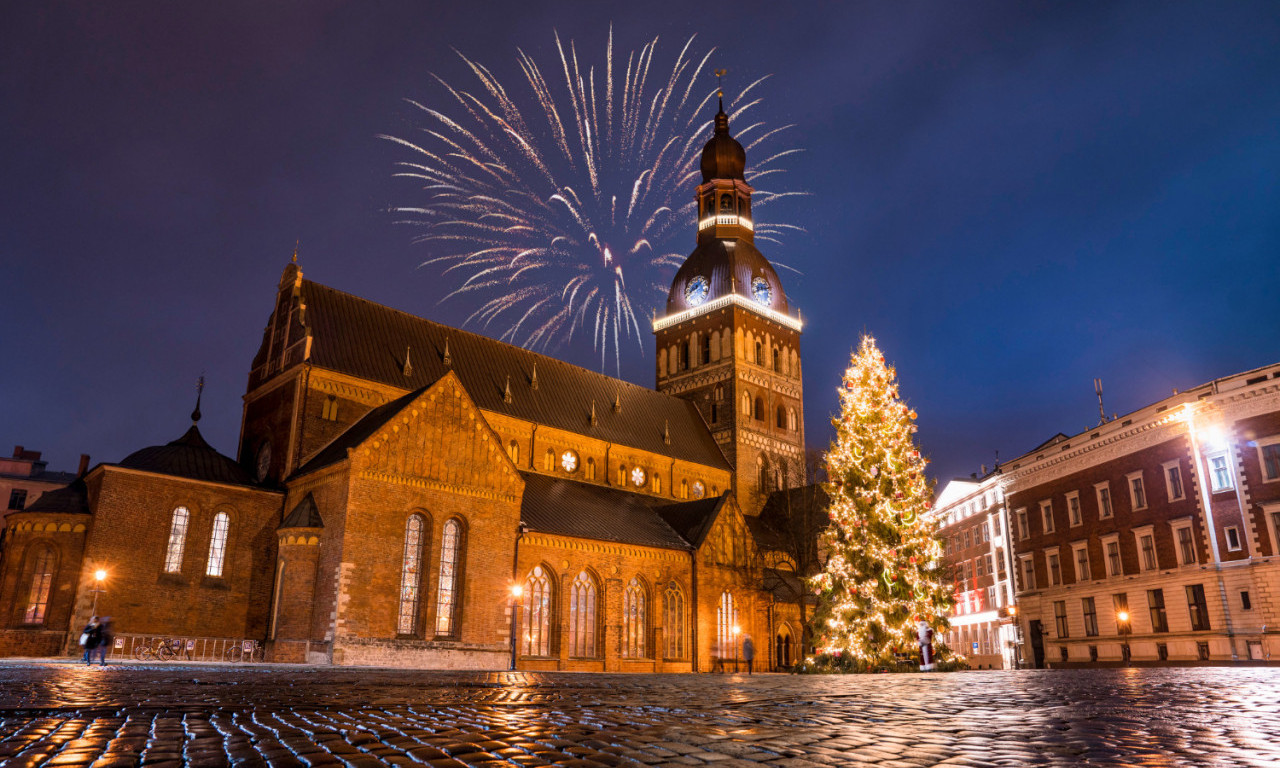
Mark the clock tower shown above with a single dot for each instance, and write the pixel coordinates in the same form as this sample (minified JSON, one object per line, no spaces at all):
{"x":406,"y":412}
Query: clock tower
{"x":728,"y":341}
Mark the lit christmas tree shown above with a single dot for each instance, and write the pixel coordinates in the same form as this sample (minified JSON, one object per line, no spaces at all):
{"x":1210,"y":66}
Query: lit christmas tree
{"x":884,"y":571}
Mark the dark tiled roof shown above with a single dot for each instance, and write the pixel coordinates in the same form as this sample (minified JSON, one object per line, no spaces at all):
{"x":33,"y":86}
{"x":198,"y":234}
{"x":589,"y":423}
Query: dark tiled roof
{"x":191,"y":457}
{"x":43,"y":477}
{"x":357,"y":433}
{"x":693,"y":519}
{"x":367,"y":340}
{"x":586,"y":511}
{"x":73,"y":498}
{"x":304,"y":515}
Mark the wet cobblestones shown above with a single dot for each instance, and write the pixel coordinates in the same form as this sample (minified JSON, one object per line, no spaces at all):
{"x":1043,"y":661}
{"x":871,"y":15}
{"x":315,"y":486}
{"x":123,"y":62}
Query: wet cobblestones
{"x":69,"y":715}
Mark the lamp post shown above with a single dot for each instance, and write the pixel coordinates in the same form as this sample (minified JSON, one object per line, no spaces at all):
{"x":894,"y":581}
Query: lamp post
{"x":99,"y":576}
{"x":1017,"y":637}
{"x":1123,"y":626}
{"x":517,"y":591}
{"x":736,"y":630}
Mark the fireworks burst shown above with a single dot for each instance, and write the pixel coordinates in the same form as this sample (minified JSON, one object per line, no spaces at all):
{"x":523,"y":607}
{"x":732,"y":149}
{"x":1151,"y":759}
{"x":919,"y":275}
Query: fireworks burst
{"x":562,"y":213}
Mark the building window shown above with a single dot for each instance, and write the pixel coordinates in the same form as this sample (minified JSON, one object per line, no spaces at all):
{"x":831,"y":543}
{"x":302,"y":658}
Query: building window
{"x":536,"y":638}
{"x":1104,"y":500}
{"x":41,"y":586}
{"x":1159,"y":621}
{"x":759,"y":358}
{"x":1023,"y":530}
{"x":1245,"y":603}
{"x":780,"y":417}
{"x":1114,"y":566}
{"x":1028,"y":573}
{"x":791,"y":421}
{"x":726,"y":623}
{"x":622,"y":475}
{"x":582,"y":617}
{"x":705,"y":343}
{"x":450,"y":556}
{"x":1219,"y":472}
{"x":684,"y":355}
{"x":1082,"y":564}
{"x":746,"y":404}
{"x":218,"y":544}
{"x":758,"y":411}
{"x":656,"y":483}
{"x":1060,"y":617}
{"x":513,"y":451}
{"x":177,"y":540}
{"x":1090,"y":617}
{"x":1197,"y":606}
{"x":1147,"y":548}
{"x":1055,"y":569}
{"x":633,"y":620}
{"x":410,"y":575}
{"x":1046,"y":515}
{"x":1137,"y":493}
{"x":1073,"y":509}
{"x":986,"y":532}
{"x":1269,"y":454}
{"x":1173,"y":481}
{"x":549,"y":461}
{"x":1124,"y":620}
{"x":684,"y":489}
{"x":982,"y":566}
{"x":1186,"y":546}
{"x":569,"y":461}
{"x":18,"y":499}
{"x":591,"y":469}
{"x":673,"y":609}
{"x":1233,"y":539}
{"x":1202,"y":651}
{"x":329,"y":409}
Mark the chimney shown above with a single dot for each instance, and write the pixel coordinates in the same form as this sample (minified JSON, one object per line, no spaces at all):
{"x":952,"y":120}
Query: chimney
{"x":17,"y":451}
{"x":984,"y":470}
{"x":84,"y":465}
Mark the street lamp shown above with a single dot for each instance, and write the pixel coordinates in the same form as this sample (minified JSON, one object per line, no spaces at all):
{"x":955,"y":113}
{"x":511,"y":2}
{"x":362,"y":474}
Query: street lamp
{"x":1122,"y":625}
{"x":1017,"y":637}
{"x":99,"y":576}
{"x":736,"y":630}
{"x":517,"y":591}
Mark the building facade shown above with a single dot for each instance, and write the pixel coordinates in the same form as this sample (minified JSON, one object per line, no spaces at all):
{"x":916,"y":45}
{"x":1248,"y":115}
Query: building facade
{"x":25,"y":476}
{"x":410,"y":494}
{"x":1152,"y":538}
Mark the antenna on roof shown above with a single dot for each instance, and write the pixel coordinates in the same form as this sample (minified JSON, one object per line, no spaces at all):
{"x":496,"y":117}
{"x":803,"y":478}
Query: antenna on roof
{"x":533,"y":381}
{"x":506,"y":396}
{"x":447,"y":360}
{"x":408,"y":366}
{"x":195,"y":415}
{"x":1102,"y":414}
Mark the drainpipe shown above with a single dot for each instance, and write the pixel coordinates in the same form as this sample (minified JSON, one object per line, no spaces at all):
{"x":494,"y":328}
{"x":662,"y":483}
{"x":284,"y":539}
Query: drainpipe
{"x":693,"y":624}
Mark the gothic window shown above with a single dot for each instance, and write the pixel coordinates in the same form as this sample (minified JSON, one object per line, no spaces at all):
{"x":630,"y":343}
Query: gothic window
{"x":633,"y":620}
{"x":657,"y":483}
{"x":704,"y":356}
{"x":781,"y":417}
{"x":759,"y":358}
{"x":218,"y":544}
{"x":713,"y":350}
{"x":549,"y":460}
{"x":177,"y":540}
{"x":726,"y":626}
{"x":536,"y":637}
{"x":746,"y":404}
{"x":41,"y":586}
{"x":662,"y":362}
{"x":410,"y":575}
{"x":582,"y":617}
{"x":513,"y":450}
{"x":591,"y":469}
{"x":673,"y":360}
{"x":684,"y":489}
{"x":759,"y":409}
{"x":622,"y":475}
{"x":719,"y":393}
{"x":450,"y":558}
{"x":791,"y":419}
{"x":673,"y":610}
{"x":684,"y":355}
{"x":760,"y":471}
{"x":777,"y":360}
{"x":329,"y":410}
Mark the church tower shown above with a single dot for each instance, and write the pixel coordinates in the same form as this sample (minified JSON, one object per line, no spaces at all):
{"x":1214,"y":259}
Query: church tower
{"x":728,"y":341}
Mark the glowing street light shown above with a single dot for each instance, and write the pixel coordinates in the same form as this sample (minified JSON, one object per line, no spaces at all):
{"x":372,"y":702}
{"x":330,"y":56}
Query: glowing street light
{"x":1122,"y":625}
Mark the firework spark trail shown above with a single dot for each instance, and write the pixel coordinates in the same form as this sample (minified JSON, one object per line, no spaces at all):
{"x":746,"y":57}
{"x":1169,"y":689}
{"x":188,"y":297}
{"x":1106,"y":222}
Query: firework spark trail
{"x":544,"y":205}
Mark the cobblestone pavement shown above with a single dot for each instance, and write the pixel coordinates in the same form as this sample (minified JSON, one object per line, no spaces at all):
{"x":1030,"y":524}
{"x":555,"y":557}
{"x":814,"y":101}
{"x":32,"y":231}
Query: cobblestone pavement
{"x":58,"y":714}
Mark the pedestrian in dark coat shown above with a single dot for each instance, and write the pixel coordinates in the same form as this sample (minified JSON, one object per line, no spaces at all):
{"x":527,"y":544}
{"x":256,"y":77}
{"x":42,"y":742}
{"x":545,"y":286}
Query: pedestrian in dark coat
{"x":748,"y":652}
{"x":105,"y":637}
{"x":92,"y":635}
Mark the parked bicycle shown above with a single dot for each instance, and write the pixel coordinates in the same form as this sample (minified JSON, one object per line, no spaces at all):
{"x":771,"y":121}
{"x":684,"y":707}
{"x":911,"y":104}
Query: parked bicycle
{"x":249,"y":650}
{"x":163,"y":649}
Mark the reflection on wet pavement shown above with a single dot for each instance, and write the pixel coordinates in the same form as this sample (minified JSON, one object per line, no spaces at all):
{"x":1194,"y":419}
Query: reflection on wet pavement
{"x":69,"y":715}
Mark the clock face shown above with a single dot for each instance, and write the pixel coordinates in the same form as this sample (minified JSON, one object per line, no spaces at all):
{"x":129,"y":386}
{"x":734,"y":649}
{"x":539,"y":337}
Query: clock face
{"x":264,"y":461}
{"x":637,"y":476}
{"x":569,"y":460}
{"x":695,"y":292}
{"x":761,"y":292}
{"x":698,"y":489}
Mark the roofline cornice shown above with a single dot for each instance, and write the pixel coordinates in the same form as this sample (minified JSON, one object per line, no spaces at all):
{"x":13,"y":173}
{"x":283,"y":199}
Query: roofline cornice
{"x":721,"y":302}
{"x":180,"y":478}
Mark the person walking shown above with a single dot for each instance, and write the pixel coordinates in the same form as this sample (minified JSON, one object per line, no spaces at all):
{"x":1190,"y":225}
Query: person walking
{"x":748,"y":652}
{"x":104,"y":640}
{"x":91,"y":635}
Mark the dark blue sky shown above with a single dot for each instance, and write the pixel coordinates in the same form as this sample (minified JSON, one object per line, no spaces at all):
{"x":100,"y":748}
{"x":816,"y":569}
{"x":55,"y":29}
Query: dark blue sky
{"x":1013,"y":197}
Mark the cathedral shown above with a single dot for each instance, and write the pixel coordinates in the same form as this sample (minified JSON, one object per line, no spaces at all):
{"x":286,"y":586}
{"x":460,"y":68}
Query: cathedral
{"x":410,"y":494}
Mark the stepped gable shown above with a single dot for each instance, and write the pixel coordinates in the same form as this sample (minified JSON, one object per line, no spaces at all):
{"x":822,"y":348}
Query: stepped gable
{"x":361,"y":338}
{"x":586,"y":511}
{"x":73,"y":498}
{"x":191,"y":457}
{"x":693,"y":519}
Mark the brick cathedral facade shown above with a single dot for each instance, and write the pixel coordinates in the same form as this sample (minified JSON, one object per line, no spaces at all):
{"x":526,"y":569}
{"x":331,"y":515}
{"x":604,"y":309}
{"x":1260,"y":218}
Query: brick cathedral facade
{"x":410,"y":494}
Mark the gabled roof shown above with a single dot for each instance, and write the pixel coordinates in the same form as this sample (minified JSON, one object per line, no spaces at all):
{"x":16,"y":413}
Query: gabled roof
{"x":586,"y":511}
{"x":304,"y":515}
{"x":191,"y":457}
{"x":358,"y":432}
{"x":367,"y":340}
{"x":73,"y":498}
{"x":693,"y":519}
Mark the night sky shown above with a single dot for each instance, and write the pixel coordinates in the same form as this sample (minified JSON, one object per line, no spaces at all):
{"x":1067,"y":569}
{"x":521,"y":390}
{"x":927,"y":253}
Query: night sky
{"x":1013,"y":197}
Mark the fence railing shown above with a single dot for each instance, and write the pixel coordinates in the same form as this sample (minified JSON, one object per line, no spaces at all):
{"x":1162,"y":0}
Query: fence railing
{"x":189,"y":648}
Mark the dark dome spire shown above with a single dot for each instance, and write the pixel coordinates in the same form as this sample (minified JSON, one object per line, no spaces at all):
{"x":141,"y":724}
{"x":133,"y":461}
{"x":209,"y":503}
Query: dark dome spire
{"x":723,"y":157}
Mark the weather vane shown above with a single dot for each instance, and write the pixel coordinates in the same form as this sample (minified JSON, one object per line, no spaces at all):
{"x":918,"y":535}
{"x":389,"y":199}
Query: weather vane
{"x":720,"y":73}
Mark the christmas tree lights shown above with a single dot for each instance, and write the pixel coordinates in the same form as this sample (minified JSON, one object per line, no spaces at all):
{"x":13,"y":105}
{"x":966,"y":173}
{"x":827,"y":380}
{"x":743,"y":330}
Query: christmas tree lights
{"x":884,"y":571}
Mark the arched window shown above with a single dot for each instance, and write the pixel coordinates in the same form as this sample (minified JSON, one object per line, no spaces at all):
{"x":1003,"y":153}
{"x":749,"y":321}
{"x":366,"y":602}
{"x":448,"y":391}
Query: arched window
{"x":513,"y":450}
{"x":673,"y":611}
{"x":684,"y":489}
{"x":218,"y":544}
{"x":662,"y":362}
{"x":704,"y":356}
{"x":746,"y":404}
{"x":791,"y":419}
{"x":762,"y":476}
{"x":726,"y":623}
{"x":410,"y":575}
{"x":759,"y":409}
{"x":719,"y":392}
{"x":549,"y":461}
{"x":177,"y":540}
{"x":450,"y":558}
{"x":657,"y":483}
{"x":714,"y":351}
{"x":41,"y":586}
{"x":726,"y":204}
{"x":759,"y":358}
{"x":633,"y":620}
{"x":622,"y":475}
{"x":777,"y":360}
{"x":536,"y":637}
{"x":582,"y":617}
{"x":591,"y":469}
{"x":684,"y":355}
{"x":781,"y":417}
{"x":783,"y":652}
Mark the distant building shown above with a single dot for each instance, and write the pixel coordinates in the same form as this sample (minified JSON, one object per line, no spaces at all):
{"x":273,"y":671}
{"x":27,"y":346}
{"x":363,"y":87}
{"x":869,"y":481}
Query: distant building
{"x":25,"y":477}
{"x":1153,"y":537}
{"x":973,"y":525}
